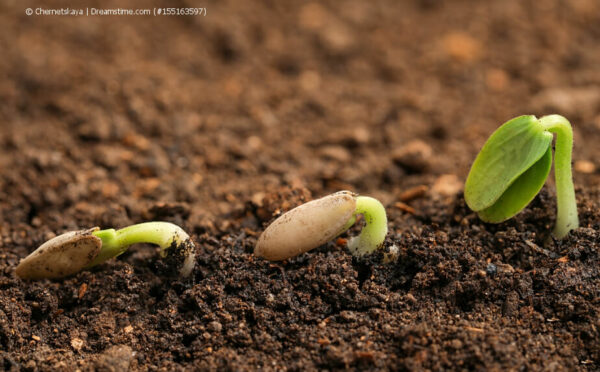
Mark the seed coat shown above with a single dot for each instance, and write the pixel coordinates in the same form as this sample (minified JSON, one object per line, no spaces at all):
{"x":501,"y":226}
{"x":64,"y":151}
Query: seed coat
{"x":306,"y":227}
{"x":61,"y":256}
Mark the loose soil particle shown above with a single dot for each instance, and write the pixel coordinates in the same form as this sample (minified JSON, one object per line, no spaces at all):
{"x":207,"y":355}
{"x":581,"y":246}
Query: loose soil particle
{"x":222,"y":123}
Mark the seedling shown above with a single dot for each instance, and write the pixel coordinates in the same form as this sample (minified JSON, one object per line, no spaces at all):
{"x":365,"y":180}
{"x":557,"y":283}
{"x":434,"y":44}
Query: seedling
{"x":514,"y":164}
{"x":317,"y":222}
{"x":74,"y":251}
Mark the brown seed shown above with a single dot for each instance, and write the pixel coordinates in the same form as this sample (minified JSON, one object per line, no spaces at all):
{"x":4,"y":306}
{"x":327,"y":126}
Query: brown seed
{"x":61,"y":256}
{"x":306,"y":227}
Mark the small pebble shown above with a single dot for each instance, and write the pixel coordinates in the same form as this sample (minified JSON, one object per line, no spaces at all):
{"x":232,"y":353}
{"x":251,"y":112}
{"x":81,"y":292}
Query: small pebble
{"x":584,"y":166}
{"x":491,"y":269}
{"x":461,"y":47}
{"x":496,"y":79}
{"x":215,"y":326}
{"x":447,"y":185}
{"x":415,"y":156}
{"x":456,"y":344}
{"x":77,"y":343}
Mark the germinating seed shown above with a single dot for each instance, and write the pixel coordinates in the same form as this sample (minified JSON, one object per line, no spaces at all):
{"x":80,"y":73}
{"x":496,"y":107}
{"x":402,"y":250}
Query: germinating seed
{"x":306,"y":227}
{"x":74,"y":251}
{"x":61,"y":256}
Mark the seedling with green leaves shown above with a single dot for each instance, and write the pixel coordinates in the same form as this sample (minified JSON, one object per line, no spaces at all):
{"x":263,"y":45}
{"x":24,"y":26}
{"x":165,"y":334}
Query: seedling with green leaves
{"x":74,"y":251}
{"x":514,"y":164}
{"x":314,"y":223}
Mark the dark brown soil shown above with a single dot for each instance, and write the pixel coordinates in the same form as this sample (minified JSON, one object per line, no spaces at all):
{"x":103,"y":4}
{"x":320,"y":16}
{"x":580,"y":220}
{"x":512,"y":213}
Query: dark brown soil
{"x":221,"y":123}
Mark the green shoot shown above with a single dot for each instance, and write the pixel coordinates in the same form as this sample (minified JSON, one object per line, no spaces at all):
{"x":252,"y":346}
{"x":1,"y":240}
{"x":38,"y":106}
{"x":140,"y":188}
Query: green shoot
{"x":513,"y":166}
{"x":373,"y":234}
{"x":164,"y":234}
{"x":566,"y":215}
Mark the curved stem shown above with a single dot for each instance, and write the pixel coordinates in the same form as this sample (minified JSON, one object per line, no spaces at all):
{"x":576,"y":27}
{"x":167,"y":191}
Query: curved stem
{"x":163,"y":234}
{"x":375,"y":230}
{"x":566,"y":215}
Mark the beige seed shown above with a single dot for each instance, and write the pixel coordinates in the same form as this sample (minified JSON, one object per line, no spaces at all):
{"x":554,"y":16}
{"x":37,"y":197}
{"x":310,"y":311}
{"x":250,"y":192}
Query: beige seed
{"x":306,"y":227}
{"x":61,"y":256}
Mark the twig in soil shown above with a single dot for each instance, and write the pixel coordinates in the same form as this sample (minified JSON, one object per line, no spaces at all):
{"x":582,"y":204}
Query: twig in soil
{"x":514,"y":164}
{"x":74,"y":251}
{"x":413,"y":193}
{"x":541,"y":250}
{"x":405,"y":207}
{"x":319,"y":221}
{"x":474,"y":329}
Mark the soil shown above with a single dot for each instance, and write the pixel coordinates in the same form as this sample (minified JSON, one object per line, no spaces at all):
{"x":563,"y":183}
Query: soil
{"x":221,"y":123}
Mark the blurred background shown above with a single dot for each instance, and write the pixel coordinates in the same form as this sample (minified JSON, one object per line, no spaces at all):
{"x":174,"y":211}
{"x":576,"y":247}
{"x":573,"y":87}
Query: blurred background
{"x":105,"y":117}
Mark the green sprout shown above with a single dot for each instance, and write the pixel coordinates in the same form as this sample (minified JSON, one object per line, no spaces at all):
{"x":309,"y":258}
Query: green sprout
{"x":375,"y":230}
{"x":514,"y":164}
{"x":314,"y":223}
{"x":74,"y":251}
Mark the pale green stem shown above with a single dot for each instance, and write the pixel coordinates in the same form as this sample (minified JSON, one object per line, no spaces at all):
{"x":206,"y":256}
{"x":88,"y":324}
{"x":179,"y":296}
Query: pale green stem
{"x":566,"y":215}
{"x":163,"y":234}
{"x":373,"y":234}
